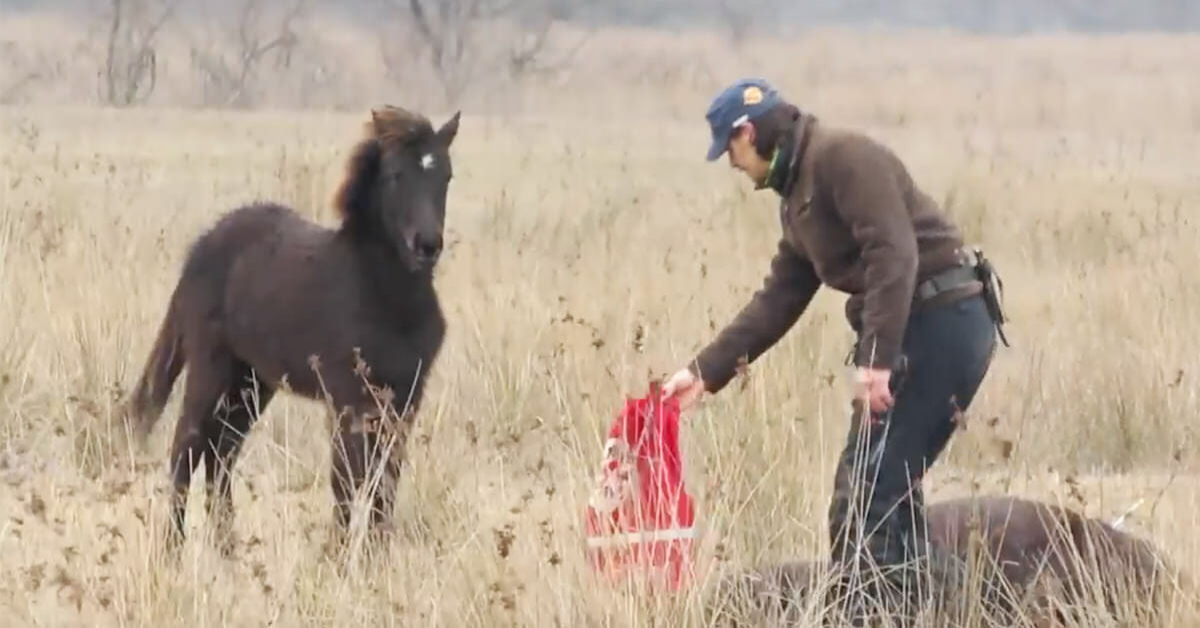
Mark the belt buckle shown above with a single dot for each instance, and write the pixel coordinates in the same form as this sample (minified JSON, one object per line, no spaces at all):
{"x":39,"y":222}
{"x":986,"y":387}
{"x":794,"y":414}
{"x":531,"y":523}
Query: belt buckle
{"x":970,"y":256}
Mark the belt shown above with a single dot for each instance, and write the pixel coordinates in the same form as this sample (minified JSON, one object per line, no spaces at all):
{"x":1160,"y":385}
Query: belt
{"x":956,"y":276}
{"x":961,"y":274}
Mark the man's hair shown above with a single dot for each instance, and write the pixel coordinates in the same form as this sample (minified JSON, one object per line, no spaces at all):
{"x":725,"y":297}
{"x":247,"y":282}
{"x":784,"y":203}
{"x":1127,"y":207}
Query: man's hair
{"x":771,"y":127}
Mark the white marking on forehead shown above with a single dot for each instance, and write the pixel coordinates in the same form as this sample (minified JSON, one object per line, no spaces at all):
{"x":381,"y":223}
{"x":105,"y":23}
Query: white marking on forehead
{"x":427,"y":161}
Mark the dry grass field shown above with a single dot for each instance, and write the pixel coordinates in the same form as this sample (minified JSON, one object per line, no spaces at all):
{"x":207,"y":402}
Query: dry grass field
{"x":591,"y":248}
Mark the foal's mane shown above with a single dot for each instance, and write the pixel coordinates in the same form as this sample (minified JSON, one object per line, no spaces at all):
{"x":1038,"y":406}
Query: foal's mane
{"x":388,"y":127}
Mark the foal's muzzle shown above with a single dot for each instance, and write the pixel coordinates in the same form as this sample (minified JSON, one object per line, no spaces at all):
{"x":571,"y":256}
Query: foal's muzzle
{"x":427,"y":248}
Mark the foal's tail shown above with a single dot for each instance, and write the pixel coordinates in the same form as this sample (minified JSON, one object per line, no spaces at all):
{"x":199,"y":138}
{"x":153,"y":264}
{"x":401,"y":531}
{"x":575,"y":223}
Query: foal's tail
{"x":162,"y":368}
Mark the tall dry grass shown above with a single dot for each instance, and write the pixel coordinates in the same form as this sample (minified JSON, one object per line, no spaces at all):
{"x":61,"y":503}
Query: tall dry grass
{"x":590,"y":248}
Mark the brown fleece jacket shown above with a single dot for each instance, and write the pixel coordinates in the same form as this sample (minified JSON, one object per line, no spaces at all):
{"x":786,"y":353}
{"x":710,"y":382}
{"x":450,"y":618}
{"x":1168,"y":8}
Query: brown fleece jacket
{"x":855,"y":221}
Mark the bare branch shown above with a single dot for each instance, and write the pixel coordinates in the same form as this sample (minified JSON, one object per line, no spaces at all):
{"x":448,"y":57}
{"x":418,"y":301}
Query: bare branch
{"x":28,"y":70}
{"x":130,"y":63}
{"x":464,"y":39}
{"x":738,"y":22}
{"x":421,"y":20}
{"x":228,"y":77}
{"x":110,"y":65}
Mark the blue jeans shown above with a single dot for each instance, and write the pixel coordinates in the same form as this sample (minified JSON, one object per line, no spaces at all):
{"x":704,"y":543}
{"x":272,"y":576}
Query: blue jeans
{"x":876,"y":516}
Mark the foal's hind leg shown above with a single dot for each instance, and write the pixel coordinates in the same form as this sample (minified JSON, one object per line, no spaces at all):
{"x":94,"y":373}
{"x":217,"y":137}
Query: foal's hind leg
{"x":240,"y":406}
{"x":208,"y":377}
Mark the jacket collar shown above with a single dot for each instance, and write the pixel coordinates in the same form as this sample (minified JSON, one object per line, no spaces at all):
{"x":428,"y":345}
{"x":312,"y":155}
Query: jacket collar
{"x":792,"y":172}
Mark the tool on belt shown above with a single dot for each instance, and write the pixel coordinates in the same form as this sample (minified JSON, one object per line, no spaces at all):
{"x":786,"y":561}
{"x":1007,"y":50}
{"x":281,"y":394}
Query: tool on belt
{"x":972,"y":267}
{"x":993,"y":291}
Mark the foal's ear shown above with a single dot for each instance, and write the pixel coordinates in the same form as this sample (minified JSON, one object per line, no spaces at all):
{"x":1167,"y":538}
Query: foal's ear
{"x":449,"y":130}
{"x":379,"y":118}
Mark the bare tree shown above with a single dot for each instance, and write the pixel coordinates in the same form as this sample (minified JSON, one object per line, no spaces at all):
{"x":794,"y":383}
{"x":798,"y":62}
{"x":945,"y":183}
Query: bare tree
{"x":228,"y":62}
{"x":736,"y":17}
{"x":462,"y":40}
{"x":528,"y":55}
{"x":24,"y":69}
{"x":444,"y":30}
{"x":130,"y":62}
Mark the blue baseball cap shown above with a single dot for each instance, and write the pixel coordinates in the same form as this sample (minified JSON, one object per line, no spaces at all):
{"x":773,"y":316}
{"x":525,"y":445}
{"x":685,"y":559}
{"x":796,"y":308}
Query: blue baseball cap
{"x":740,"y":102}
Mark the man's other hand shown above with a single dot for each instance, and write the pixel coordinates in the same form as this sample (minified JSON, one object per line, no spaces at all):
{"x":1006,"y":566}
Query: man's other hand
{"x":872,"y":386}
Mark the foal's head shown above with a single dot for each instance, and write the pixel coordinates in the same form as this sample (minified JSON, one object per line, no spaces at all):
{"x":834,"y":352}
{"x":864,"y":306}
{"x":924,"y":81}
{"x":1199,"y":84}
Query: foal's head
{"x":396,"y":183}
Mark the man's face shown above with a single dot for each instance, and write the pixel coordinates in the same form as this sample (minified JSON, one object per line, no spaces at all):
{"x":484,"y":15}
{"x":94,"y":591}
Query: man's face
{"x":743,"y":156}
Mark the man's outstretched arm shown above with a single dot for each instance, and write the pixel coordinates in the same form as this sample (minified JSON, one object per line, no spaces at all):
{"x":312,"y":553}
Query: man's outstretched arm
{"x":786,"y":292}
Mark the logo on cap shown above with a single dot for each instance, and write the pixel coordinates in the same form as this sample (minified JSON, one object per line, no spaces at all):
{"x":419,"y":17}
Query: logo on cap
{"x":752,"y":95}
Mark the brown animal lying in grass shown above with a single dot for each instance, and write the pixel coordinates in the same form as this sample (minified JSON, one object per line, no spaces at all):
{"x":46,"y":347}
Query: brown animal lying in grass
{"x":1056,"y":566}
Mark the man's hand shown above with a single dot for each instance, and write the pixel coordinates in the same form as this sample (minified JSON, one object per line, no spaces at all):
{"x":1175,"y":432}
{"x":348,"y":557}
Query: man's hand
{"x":871,"y":385}
{"x":684,"y":386}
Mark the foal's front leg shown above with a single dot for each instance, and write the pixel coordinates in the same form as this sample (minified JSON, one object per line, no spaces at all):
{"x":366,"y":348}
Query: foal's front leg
{"x":392,"y":439}
{"x":348,"y":468}
{"x":356,"y":456}
{"x":368,"y":451}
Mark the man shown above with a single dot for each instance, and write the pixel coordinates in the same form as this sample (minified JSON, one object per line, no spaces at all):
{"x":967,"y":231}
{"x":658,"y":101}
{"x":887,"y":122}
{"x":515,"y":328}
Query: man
{"x":853,"y":219}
